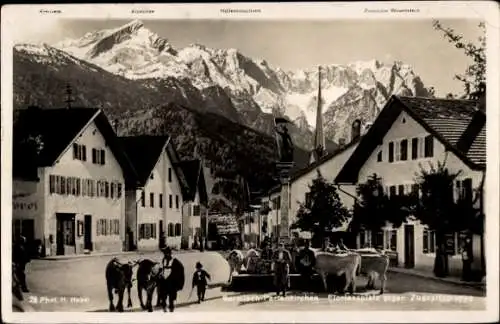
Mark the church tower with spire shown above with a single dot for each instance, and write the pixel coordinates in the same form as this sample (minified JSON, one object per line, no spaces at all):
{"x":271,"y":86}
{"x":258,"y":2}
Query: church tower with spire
{"x":319,"y":148}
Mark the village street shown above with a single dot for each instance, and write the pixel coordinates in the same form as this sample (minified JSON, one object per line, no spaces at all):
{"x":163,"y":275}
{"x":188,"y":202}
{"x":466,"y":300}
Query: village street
{"x":79,"y":284}
{"x":54,"y":285}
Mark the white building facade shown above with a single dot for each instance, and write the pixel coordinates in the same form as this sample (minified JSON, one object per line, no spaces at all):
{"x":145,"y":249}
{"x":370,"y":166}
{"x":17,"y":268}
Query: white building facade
{"x":154,"y":206}
{"x":402,"y":144}
{"x":77,"y":205}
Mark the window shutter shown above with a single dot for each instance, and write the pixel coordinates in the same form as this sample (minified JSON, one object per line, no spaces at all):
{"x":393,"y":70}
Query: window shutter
{"x":84,"y":153}
{"x":103,"y":157}
{"x":404,"y":150}
{"x":75,"y":151}
{"x":391,"y":152}
{"x":429,"y":146}
{"x":98,"y":227}
{"x":52,"y":184}
{"x":425,"y":248}
{"x":432,"y":243}
{"x":414,"y":148}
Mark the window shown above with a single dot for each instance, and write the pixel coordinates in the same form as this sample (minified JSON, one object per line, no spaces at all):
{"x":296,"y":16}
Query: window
{"x":170,"y":176}
{"x":160,"y":200}
{"x":362,"y":239}
{"x":401,"y":190}
{"x":170,"y":201}
{"x":79,"y":152}
{"x":170,"y":229}
{"x":308,"y":199}
{"x":404,"y":150}
{"x":429,"y":146}
{"x":414,"y":148}
{"x":119,"y":191}
{"x":391,"y":152}
{"x":393,"y":240}
{"x":378,"y":239}
{"x":392,"y":191}
{"x":98,"y":156}
{"x":464,"y":190}
{"x":379,"y":156}
{"x":429,"y":241}
{"x":106,"y":189}
{"x":151,"y":176}
{"x":177,"y":201}
{"x":112,"y":190}
{"x":151,"y":200}
{"x":178,"y":229}
{"x":147,"y":231}
{"x":196,"y":210}
{"x":143,"y":199}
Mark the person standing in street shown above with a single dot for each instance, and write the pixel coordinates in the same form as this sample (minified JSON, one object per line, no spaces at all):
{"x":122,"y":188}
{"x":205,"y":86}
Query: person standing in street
{"x":467,"y":260}
{"x":200,"y":277}
{"x":21,"y":257}
{"x":305,"y":265}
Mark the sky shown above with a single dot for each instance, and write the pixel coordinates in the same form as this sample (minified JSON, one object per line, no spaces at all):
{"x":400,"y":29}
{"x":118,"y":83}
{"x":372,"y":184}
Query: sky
{"x":304,"y":44}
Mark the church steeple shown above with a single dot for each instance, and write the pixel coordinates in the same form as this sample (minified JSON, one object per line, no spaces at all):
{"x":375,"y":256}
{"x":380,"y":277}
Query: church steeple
{"x":319,"y":137}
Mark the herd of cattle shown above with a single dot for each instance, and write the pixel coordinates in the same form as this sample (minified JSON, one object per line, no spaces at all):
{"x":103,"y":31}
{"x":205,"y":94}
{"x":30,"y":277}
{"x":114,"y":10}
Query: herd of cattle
{"x":151,"y":275}
{"x":349,"y":263}
{"x":167,"y":281}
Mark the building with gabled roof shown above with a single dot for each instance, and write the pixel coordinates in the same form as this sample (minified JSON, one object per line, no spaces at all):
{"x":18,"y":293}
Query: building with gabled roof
{"x":155,"y":203}
{"x":69,"y":181}
{"x":409,"y":133}
{"x":195,"y":208}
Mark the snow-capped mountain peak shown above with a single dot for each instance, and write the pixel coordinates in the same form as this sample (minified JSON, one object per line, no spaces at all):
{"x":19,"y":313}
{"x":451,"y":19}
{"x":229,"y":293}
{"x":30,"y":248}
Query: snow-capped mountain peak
{"x":253,"y":85}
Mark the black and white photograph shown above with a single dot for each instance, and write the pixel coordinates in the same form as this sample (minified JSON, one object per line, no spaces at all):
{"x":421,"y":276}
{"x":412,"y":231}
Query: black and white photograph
{"x":247,"y":164}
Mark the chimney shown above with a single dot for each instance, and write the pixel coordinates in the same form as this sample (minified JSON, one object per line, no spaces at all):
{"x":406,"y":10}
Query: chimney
{"x":356,"y":130}
{"x":341,"y":142}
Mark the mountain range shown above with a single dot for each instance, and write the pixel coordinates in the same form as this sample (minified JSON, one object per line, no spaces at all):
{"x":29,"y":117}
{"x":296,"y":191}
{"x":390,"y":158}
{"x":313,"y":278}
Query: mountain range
{"x":131,"y":72}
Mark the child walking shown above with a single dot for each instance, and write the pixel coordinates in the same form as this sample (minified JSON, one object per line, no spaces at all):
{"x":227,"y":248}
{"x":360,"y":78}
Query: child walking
{"x":200,"y":277}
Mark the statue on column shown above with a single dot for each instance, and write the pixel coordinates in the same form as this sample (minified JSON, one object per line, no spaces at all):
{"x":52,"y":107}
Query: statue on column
{"x":283,"y":140}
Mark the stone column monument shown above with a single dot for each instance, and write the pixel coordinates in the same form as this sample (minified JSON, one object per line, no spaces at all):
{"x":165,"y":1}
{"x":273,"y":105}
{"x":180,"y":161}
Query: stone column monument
{"x":283,"y":166}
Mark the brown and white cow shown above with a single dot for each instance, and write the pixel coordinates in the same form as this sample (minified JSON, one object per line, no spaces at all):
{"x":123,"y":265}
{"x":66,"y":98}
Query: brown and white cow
{"x":119,"y":278}
{"x":373,"y":265}
{"x":338,"y":264}
{"x":235,"y":260}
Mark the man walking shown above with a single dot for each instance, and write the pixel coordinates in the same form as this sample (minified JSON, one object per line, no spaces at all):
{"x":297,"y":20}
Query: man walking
{"x":21,"y":257}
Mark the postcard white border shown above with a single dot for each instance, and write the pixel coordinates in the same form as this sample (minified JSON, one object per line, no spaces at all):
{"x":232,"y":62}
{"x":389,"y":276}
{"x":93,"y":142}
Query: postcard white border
{"x":486,"y":10}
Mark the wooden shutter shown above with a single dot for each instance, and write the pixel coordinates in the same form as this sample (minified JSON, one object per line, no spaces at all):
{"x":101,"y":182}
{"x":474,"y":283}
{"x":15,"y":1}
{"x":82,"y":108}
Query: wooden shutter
{"x":391,"y":152}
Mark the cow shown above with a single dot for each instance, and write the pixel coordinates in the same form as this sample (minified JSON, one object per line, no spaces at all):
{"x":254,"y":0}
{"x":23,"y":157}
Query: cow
{"x":148,"y":276}
{"x":235,"y":260}
{"x":250,"y":259}
{"x":171,"y":280}
{"x":374,"y":265}
{"x":119,"y":278}
{"x":333,"y":264}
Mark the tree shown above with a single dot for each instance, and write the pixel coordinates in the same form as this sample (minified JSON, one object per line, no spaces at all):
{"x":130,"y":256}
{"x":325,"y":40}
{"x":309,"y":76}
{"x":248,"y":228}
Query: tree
{"x":475,"y":74}
{"x":374,"y":209}
{"x":437,"y":208}
{"x":322,"y":210}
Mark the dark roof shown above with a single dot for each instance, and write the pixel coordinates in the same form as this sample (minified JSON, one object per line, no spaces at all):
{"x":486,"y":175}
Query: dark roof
{"x":457,"y":124}
{"x":195,"y":178}
{"x":144,"y":151}
{"x":57,"y":130}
